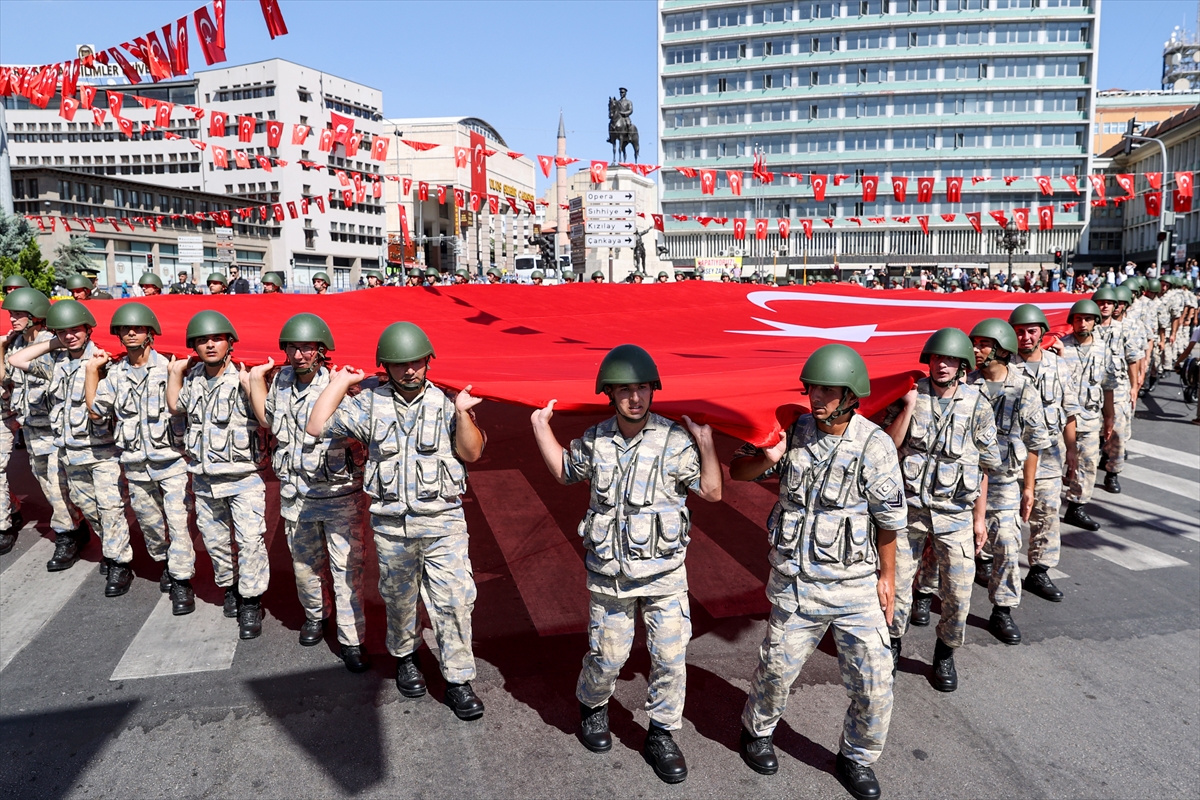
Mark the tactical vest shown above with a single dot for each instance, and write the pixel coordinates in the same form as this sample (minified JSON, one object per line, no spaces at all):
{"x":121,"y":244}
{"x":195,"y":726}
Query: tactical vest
{"x":73,"y":426}
{"x":146,"y":431}
{"x":939,"y":459}
{"x":223,"y":436}
{"x":306,"y":465}
{"x":1009,"y":410}
{"x":30,"y":395}
{"x":1048,"y":384}
{"x":821,"y":525}
{"x":637,"y":521}
{"x":1087,"y":373}
{"x":412,"y":471}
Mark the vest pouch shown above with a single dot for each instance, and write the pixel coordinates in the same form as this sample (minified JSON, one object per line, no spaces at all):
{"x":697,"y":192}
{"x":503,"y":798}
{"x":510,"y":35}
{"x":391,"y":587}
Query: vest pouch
{"x":127,"y":433}
{"x":1048,"y":393}
{"x":245,"y":444}
{"x":35,"y":397}
{"x":596,"y":530}
{"x":218,"y":443}
{"x":194,"y":434}
{"x":221,"y":410}
{"x":335,"y":463}
{"x":454,"y":479}
{"x":971,"y":474}
{"x":639,"y":534}
{"x":1018,"y":449}
{"x":784,"y":528}
{"x":387,"y":479}
{"x":911,"y":467}
{"x":78,"y":420}
{"x":796,"y":478}
{"x":383,"y":444}
{"x":177,"y":430}
{"x":641,"y":485}
{"x":281,"y":460}
{"x":672,"y":533}
{"x":603,"y":483}
{"x":429,"y":430}
{"x":918,"y":427}
{"x":127,"y":406}
{"x":1093,"y":396}
{"x":428,"y":478}
{"x":157,"y":400}
{"x":956,"y":442}
{"x":860,"y":547}
{"x":827,"y":535}
{"x":946,"y":477}
{"x":1054,"y":419}
{"x":839,"y":480}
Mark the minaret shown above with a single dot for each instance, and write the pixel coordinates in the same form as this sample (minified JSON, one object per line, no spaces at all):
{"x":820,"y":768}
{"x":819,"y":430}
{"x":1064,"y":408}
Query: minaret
{"x":560,"y":184}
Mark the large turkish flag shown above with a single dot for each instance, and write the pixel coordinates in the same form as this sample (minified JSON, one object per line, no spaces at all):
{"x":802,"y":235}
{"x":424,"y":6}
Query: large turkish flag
{"x":729,"y":355}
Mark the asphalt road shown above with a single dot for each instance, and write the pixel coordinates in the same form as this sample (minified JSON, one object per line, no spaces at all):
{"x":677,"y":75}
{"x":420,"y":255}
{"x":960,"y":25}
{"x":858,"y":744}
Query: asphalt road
{"x":1100,"y":700}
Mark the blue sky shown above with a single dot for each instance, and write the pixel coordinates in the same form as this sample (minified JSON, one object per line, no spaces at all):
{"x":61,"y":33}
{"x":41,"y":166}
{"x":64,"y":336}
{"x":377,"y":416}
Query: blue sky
{"x":514,"y":64}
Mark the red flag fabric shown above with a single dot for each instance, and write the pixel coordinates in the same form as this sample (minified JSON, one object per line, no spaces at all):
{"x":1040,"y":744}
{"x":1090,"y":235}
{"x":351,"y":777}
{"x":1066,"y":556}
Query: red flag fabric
{"x":126,"y":126}
{"x":514,"y":155}
{"x":870,"y":187}
{"x":420,"y":147}
{"x":1072,"y":183}
{"x":493,"y":204}
{"x":462,"y":159}
{"x":739,"y":229}
{"x":116,"y":101}
{"x":658,"y":222}
{"x":1180,"y":203}
{"x":131,"y":74}
{"x":828,"y":221}
{"x":1154,"y":179}
{"x":819,"y":183}
{"x":241,"y":159}
{"x":326,"y":141}
{"x":1125,"y":181}
{"x":379,"y":148}
{"x":291,"y":207}
{"x":458,"y":198}
{"x":478,"y":164}
{"x":216,"y":123}
{"x":530,"y":206}
{"x":277,"y":209}
{"x":320,"y":201}
{"x":974,"y":218}
{"x":176,"y":39}
{"x":273,"y":17}
{"x":219,"y":22}
{"x":545,"y":162}
{"x":899,"y":188}
{"x":211,"y":47}
{"x":807,"y":225}
{"x":839,"y":179}
{"x":354,"y":141}
{"x":599,"y":171}
{"x":348,"y":197}
{"x":1153,"y":203}
{"x":274,"y":132}
{"x":220,"y":156}
{"x":67,"y":108}
{"x":476,"y":199}
{"x":978,"y":179}
{"x":303,"y":205}
{"x":785,"y":227}
{"x":343,"y":128}
{"x":422,"y":191}
{"x":1009,"y":180}
{"x":565,"y":161}
{"x":708,"y":181}
{"x":404,"y":237}
{"x":948,"y":217}
{"x":954,"y":189}
{"x":1184,"y":181}
{"x":512,"y":203}
{"x":1001,"y":220}
{"x":441,"y":195}
{"x":376,"y":188}
{"x":406,"y":185}
{"x":1045,"y":218}
{"x":162,"y":115}
{"x":300,"y":133}
{"x":98,"y":115}
{"x":1044,"y":183}
{"x":1097,"y":182}
{"x":735,"y":181}
{"x":264,"y":163}
{"x":245,"y":127}
{"x":925,"y":190}
{"x":1021,"y":215}
{"x":70,"y":78}
{"x":87,"y":96}
{"x":923,"y":221}
{"x":760,"y":229}
{"x":1099,"y":203}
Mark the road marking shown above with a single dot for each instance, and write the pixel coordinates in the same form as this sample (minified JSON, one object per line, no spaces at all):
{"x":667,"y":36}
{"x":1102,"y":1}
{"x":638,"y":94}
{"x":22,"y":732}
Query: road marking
{"x":548,"y":571}
{"x":30,"y":596}
{"x":719,"y":582}
{"x":752,"y":500}
{"x":1120,"y":551}
{"x":203,"y":641}
{"x":1149,"y":514}
{"x":1190,"y":460}
{"x":1168,"y":483}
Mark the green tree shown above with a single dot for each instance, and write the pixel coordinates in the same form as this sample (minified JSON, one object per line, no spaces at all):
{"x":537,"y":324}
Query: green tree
{"x":29,"y":262}
{"x":15,"y":233}
{"x":71,"y":257}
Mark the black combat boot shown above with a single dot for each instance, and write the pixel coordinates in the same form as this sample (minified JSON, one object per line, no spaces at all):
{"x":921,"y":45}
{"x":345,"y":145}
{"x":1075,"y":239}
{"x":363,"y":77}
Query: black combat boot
{"x":355,"y":658}
{"x":983,"y":571}
{"x":945,"y":676}
{"x":463,"y":701}
{"x":120,"y":576}
{"x":1111,"y":484}
{"x":664,"y":755}
{"x":409,"y":679}
{"x":250,"y":618}
{"x":922,"y":605}
{"x":759,"y":753}
{"x":66,"y":552}
{"x":8,"y":536}
{"x":1002,"y":626}
{"x":105,"y":563}
{"x":233,"y":602}
{"x":858,"y":780}
{"x":1039,"y":583}
{"x":164,"y":580}
{"x":183,"y":599}
{"x":312,"y":632}
{"x":593,"y":728}
{"x":1079,"y":518}
{"x":895,"y":648}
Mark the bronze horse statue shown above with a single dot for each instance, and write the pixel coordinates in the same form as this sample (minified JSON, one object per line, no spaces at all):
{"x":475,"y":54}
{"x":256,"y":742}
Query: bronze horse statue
{"x":621,"y":130}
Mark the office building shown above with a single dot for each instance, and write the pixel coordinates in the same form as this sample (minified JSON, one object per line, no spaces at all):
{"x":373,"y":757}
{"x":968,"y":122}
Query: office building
{"x":1116,"y":107}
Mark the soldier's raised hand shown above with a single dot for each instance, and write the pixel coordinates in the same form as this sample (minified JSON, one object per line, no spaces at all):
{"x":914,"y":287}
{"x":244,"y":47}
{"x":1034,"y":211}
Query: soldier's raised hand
{"x":777,"y":450}
{"x":99,"y":359}
{"x":261,"y":370}
{"x":464,"y":401}
{"x":348,"y":376}
{"x":701,"y":433}
{"x":541,"y":416}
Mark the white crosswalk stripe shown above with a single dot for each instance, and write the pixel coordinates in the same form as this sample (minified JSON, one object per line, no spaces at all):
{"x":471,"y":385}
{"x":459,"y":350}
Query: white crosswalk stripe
{"x":1150,"y":515}
{"x":203,"y":641}
{"x":1120,"y":551}
{"x":1190,"y":460}
{"x":30,"y":596}
{"x":1168,"y":483}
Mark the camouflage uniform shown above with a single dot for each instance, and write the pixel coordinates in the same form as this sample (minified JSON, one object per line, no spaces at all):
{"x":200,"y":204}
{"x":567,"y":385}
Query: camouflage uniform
{"x":9,"y":407}
{"x":636,"y":536}
{"x":942,"y":460}
{"x":415,"y":482}
{"x":86,"y":451}
{"x":1126,"y":347}
{"x":1092,"y":374}
{"x":225,"y":451}
{"x":152,"y":457}
{"x":1020,"y":430}
{"x":1050,"y":379}
{"x":320,"y":491}
{"x":834,"y":492}
{"x":30,"y":396}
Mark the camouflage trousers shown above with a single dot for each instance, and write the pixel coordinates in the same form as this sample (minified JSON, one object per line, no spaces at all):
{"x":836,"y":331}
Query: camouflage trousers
{"x":1122,"y":427}
{"x":668,"y":621}
{"x":1080,"y":489}
{"x":8,"y":501}
{"x":1044,"y":532}
{"x":96,"y":491}
{"x":161,"y":508}
{"x":243,"y":514}
{"x":437,"y":570}
{"x":48,"y":469}
{"x":327,"y":539}
{"x":864,"y":659}
{"x":1003,"y":545}
{"x":955,"y":556}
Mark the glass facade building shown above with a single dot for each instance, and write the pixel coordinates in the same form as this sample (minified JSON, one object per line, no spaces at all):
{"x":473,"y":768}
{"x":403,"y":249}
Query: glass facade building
{"x":915,"y":88}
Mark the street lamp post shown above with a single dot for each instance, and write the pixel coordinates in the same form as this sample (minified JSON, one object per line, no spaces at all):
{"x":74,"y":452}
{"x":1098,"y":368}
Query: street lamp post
{"x":1009,"y":239}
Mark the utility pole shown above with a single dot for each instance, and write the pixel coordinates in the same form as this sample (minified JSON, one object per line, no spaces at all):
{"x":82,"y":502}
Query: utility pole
{"x":6,"y":198}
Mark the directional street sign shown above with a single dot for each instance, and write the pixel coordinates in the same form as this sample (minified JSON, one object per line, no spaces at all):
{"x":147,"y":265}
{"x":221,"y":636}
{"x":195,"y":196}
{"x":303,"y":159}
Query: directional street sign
{"x":610,"y":212}
{"x":191,"y":250}
{"x":610,"y":225}
{"x":611,"y":241}
{"x":612,"y":198}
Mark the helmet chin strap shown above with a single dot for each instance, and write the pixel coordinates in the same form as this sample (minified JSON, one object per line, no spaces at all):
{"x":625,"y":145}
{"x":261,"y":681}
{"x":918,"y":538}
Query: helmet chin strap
{"x":962,"y":370}
{"x":317,"y":363}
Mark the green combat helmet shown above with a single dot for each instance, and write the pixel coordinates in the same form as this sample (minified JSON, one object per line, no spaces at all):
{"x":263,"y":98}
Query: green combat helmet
{"x":373,"y":273}
{"x":462,"y":273}
{"x":150,"y":279}
{"x":216,"y":277}
{"x":79,"y":282}
{"x":273,"y":279}
{"x":402,"y":342}
{"x":209,"y":323}
{"x":16,"y":281}
{"x":133,"y":315}
{"x":306,"y":327}
{"x":1028,"y":314}
{"x":29,"y":300}
{"x":837,"y":365}
{"x":1154,"y":286}
{"x":950,"y":342}
{"x":597,"y":274}
{"x":663,"y":275}
{"x":68,"y":314}
{"x":493,"y":271}
{"x":537,"y":273}
{"x":1105,"y":293}
{"x":1084,"y":308}
{"x":1123,"y":294}
{"x":322,"y":276}
{"x":431,"y":272}
{"x":999,"y":332}
{"x":625,"y":364}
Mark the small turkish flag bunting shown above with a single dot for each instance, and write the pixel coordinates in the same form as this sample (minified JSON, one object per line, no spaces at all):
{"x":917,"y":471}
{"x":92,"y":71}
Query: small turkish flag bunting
{"x":300,"y":133}
{"x":658,"y":222}
{"x":1153,"y":203}
{"x":954,"y":189}
{"x":1097,"y":182}
{"x":1184,"y":181}
{"x":739,"y":229}
{"x":899,"y":189}
{"x":1021,"y":215}
{"x":924,"y":190}
{"x":1154,"y":179}
{"x":708,"y":181}
{"x":735,"y":181}
{"x":760,"y":229}
{"x":785,"y":227}
{"x":974,"y":219}
{"x":819,"y":182}
{"x":1045,"y":218}
{"x":216,"y":123}
{"x":545,"y":162}
{"x":599,"y":171}
{"x":1043,"y":182}
{"x":1125,"y":181}
{"x":870,"y":186}
{"x":274,"y":132}
{"x":1072,"y":183}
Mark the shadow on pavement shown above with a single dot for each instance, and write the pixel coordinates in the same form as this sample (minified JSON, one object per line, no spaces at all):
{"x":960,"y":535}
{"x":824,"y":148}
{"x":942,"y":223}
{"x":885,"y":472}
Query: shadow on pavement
{"x":301,"y":703}
{"x":46,"y":754}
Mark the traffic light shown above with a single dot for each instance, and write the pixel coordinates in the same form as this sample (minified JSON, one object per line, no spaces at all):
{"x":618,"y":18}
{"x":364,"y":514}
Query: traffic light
{"x":1058,"y":256}
{"x":1162,"y":236}
{"x":150,"y":262}
{"x":1129,"y":130}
